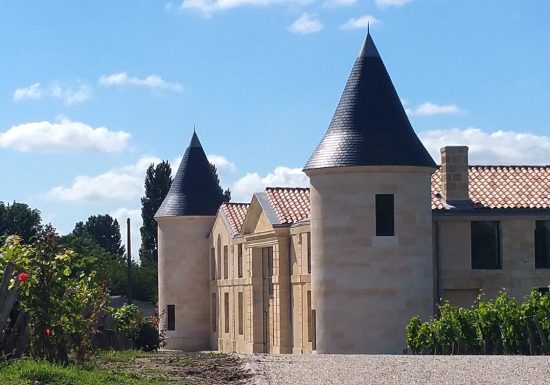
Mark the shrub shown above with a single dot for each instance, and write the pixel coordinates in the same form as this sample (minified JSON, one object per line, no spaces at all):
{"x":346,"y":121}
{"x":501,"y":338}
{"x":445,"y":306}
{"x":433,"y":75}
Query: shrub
{"x":501,"y":326}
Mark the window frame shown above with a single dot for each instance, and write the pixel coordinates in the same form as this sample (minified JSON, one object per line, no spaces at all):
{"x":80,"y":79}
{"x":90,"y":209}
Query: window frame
{"x":476,"y":263}
{"x":384,"y":209}
{"x":542,"y":257}
{"x":171,"y":317}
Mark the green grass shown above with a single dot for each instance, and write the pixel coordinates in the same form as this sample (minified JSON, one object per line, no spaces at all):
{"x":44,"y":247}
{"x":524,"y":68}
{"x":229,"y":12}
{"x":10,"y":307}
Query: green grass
{"x":24,"y":372}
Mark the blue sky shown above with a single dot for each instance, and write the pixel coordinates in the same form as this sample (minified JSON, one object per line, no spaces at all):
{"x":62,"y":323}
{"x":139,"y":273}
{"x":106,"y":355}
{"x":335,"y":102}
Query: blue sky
{"x":92,"y":92}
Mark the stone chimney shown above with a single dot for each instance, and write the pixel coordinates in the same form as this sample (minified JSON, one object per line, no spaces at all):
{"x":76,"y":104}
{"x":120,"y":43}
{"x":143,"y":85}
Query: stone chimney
{"x":454,"y":173}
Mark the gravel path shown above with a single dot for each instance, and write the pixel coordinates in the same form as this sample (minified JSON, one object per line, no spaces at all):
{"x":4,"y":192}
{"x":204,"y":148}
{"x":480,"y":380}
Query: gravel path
{"x":388,"y":370}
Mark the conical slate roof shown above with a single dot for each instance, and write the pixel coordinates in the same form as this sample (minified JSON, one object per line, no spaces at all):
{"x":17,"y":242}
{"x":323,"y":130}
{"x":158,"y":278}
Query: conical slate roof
{"x":194,"y":190}
{"x":370,"y":126}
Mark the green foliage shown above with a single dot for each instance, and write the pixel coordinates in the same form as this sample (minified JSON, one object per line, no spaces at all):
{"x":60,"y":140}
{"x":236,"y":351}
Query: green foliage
{"x":144,"y":332}
{"x":20,"y":219}
{"x":157,"y":183}
{"x":104,"y":231}
{"x":29,"y":372}
{"x":225,"y":194}
{"x":127,"y":319}
{"x":501,"y":326}
{"x":62,"y":302}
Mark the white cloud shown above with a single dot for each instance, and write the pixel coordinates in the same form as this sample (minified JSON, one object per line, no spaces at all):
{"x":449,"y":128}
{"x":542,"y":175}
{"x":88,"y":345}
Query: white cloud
{"x":339,"y":3}
{"x":306,"y":24}
{"x":207,"y":7}
{"x":119,"y":184}
{"x":152,"y":81}
{"x":360,"y":22}
{"x":391,"y":3}
{"x":121,"y":215}
{"x":428,"y":109}
{"x":70,"y":95}
{"x":223,"y":165}
{"x":34,"y":91}
{"x":242,"y":189}
{"x":62,"y":136}
{"x":499,"y":147}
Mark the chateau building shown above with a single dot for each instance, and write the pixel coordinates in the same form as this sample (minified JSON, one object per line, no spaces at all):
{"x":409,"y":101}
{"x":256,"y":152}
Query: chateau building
{"x":381,"y":235}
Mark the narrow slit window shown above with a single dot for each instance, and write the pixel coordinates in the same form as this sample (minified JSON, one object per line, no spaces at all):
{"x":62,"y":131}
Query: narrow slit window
{"x":212,"y":264}
{"x":241,"y":312}
{"x":225,"y":262}
{"x":385,"y":215}
{"x":240,"y":260}
{"x":226,"y":311}
{"x":309,"y":318}
{"x":171,"y":310}
{"x":308,"y":240}
{"x":214,"y":312}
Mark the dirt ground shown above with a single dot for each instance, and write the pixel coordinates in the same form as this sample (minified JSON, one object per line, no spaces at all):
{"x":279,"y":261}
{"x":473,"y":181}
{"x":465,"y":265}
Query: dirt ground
{"x":180,"y":368}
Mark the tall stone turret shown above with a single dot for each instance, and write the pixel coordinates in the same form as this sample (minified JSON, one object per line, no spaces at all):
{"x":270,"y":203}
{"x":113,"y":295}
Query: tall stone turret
{"x":185,"y":219}
{"x":371,"y":221}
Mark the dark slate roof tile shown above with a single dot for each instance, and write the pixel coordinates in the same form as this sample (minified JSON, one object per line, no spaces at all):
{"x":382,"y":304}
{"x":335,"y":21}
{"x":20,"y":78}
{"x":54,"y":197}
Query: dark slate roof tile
{"x":370,"y":126}
{"x":194,"y":190}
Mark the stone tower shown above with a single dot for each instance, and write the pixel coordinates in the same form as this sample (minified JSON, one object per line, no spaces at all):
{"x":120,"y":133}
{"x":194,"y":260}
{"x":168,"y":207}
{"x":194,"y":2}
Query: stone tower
{"x":371,"y":220}
{"x":185,"y":219}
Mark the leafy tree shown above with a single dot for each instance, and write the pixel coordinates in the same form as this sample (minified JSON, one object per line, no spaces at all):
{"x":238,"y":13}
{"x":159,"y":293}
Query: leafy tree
{"x":61,"y":301}
{"x":103,"y":230}
{"x":20,"y":219}
{"x":226,"y":193}
{"x":157,"y":183}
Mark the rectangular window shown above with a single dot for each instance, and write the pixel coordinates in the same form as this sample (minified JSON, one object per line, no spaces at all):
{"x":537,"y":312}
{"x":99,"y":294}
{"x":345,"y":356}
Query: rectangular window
{"x":385,"y":215}
{"x":267,"y":265}
{"x":240,"y":260}
{"x":309,"y":318}
{"x":308,"y":240}
{"x":214,"y":312}
{"x":225,"y":262}
{"x":542,"y":244}
{"x":226,"y":311}
{"x":485,"y":245}
{"x":241,"y":312}
{"x":212,"y":263}
{"x":171,"y":310}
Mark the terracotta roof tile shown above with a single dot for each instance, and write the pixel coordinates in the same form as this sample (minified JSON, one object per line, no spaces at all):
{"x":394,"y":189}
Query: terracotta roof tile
{"x":493,"y":187}
{"x":291,"y":204}
{"x":235,"y":214}
{"x":503,"y":187}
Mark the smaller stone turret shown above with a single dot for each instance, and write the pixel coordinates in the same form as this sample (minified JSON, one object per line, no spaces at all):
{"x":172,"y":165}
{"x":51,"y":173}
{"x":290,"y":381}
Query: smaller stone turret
{"x":184,"y":219}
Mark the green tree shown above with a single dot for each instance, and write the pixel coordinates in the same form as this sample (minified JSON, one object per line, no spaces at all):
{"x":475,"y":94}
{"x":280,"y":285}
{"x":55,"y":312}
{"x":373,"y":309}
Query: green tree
{"x":20,"y":219}
{"x":157,"y":183}
{"x":104,"y":231}
{"x":226,"y":193}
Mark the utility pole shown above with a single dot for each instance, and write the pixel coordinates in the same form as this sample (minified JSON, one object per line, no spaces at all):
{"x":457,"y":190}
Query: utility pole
{"x":129,"y":255}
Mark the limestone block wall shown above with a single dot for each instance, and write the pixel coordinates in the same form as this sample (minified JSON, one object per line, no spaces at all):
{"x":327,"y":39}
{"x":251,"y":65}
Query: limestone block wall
{"x":233,"y":322}
{"x":459,"y":283}
{"x":454,"y":172}
{"x":302,"y":333}
{"x":366,"y":288}
{"x":183,"y":279}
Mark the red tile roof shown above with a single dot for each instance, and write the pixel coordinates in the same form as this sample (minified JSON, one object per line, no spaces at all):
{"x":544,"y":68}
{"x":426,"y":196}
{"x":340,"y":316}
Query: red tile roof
{"x":493,"y":187}
{"x":291,"y":204}
{"x":235,"y":213}
{"x":503,"y":187}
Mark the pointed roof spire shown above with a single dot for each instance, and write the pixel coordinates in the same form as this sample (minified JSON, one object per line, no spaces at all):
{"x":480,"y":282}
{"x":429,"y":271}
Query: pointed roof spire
{"x":370,"y":126}
{"x":195,"y":142}
{"x":195,"y":189}
{"x":369,"y":48}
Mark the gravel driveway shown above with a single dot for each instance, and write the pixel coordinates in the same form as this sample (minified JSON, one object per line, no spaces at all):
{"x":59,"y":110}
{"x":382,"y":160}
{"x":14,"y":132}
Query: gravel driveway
{"x":330,"y":369}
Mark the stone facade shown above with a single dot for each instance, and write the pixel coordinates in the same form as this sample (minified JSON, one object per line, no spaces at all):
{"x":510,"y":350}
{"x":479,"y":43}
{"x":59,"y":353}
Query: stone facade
{"x":383,"y":234}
